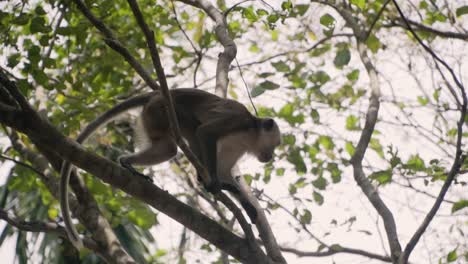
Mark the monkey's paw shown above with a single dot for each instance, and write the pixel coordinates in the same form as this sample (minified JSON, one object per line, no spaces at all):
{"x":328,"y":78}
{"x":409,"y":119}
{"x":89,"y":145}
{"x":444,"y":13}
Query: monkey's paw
{"x":134,"y":171}
{"x":250,"y":210}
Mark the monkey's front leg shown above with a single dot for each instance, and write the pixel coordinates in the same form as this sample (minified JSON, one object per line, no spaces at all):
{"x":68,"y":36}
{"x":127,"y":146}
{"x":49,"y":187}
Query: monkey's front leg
{"x":129,"y":167}
{"x":231,"y":183}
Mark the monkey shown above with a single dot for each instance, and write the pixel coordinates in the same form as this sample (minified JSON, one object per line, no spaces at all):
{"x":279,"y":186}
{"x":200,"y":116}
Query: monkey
{"x":218,"y":131}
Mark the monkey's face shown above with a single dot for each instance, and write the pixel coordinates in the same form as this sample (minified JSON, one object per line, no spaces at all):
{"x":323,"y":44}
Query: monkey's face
{"x":269,"y":139}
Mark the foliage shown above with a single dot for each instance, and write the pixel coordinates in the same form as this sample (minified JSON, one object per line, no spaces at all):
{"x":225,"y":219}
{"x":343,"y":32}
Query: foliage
{"x":297,"y":67}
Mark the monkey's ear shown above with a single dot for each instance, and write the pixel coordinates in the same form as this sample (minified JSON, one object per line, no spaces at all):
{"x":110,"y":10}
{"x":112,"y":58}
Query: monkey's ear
{"x":268,"y":124}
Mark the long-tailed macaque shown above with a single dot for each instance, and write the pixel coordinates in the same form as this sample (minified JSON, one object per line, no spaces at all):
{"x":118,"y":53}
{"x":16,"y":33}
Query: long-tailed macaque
{"x":218,"y":131}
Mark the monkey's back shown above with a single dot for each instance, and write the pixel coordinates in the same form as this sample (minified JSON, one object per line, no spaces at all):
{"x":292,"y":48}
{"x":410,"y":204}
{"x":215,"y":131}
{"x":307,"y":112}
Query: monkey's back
{"x":205,"y":106}
{"x":193,"y":108}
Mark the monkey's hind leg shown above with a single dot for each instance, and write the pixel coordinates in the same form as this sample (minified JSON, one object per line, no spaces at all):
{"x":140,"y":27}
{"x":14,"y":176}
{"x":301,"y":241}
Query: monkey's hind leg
{"x":156,"y":152}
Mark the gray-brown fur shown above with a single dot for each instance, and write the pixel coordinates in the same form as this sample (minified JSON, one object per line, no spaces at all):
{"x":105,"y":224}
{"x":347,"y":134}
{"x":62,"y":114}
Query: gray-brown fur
{"x":219,"y":131}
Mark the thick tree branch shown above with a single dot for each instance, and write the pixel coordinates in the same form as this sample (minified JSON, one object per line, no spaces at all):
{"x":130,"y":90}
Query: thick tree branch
{"x":43,"y":133}
{"x":87,"y":210}
{"x":230,"y":50}
{"x":366,"y":135}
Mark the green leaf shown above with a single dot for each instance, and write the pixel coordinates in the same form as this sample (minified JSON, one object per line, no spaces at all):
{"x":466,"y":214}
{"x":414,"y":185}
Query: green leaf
{"x":423,"y":5}
{"x":328,"y":21}
{"x":335,"y":172}
{"x":359,"y":3}
{"x":262,"y":12}
{"x":326,"y":142}
{"x":38,"y":25}
{"x":40,"y":77}
{"x":452,"y":256}
{"x":383,"y":177}
{"x":315,"y":116}
{"x":289,"y":139}
{"x":377,"y":147}
{"x":415,"y":163}
{"x":256,"y":91}
{"x":265,"y":74}
{"x":272,"y":18}
{"x":286,"y":111}
{"x":462,"y":11}
{"x":436,"y":94}
{"x":318,"y":198}
{"x":459,"y":205}
{"x":249,"y":13}
{"x":423,"y":100}
{"x":301,"y":9}
{"x":319,"y":77}
{"x":306,"y":218}
{"x":373,"y":43}
{"x":280,"y":172}
{"x":353,"y":76}
{"x":52,"y":213}
{"x":254,"y":48}
{"x":267,"y":85}
{"x":286,"y":5}
{"x":320,"y":183}
{"x":349,"y":148}
{"x":296,"y":159}
{"x":281,"y":66}
{"x":342,"y":58}
{"x":142,"y":217}
{"x":39,"y":11}
{"x":352,"y":123}
{"x":13,"y":60}
{"x":21,"y":20}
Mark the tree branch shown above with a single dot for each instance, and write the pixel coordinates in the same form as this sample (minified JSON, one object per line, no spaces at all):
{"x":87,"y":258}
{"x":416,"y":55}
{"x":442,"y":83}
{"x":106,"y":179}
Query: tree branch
{"x":422,"y":27}
{"x":174,"y":122}
{"x":230,"y":50}
{"x":42,"y":133}
{"x":89,"y":213}
{"x":336,"y":250}
{"x":382,"y":9}
{"x":50,"y":227}
{"x":459,"y":156}
{"x":222,"y":69}
{"x":371,"y":119}
{"x":115,"y":44}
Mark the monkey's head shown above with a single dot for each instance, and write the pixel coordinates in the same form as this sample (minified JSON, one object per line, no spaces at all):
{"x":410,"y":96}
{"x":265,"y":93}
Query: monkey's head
{"x":269,"y":137}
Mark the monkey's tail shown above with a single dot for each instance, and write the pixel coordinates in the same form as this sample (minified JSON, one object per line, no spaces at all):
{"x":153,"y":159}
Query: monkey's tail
{"x":109,"y":115}
{"x":65,"y":207}
{"x":67,"y":167}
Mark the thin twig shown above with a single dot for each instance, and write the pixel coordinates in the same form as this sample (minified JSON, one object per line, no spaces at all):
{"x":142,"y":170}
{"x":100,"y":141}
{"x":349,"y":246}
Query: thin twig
{"x":229,"y":10}
{"x":24,"y":165}
{"x":246,"y":87}
{"x":459,"y":156}
{"x":164,"y":88}
{"x":376,"y":19}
